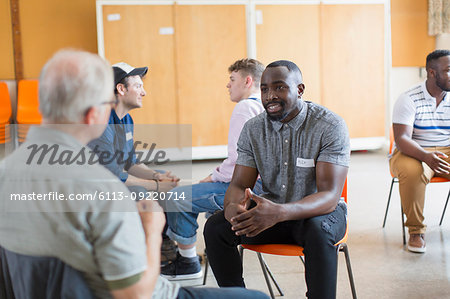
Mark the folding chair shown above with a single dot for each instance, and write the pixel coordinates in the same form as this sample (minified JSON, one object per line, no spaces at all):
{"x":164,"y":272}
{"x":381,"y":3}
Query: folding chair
{"x":395,"y":180}
{"x":293,"y":250}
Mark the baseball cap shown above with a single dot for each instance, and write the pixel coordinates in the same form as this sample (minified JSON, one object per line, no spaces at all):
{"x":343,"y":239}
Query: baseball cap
{"x":122,"y":70}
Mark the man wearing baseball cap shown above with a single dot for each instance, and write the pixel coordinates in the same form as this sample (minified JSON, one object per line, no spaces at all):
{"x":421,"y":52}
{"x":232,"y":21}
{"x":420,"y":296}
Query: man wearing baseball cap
{"x":118,"y":136}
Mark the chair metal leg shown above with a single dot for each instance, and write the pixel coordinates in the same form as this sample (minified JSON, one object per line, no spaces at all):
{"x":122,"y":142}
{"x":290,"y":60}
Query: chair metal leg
{"x":445,"y":207}
{"x":206,"y":268}
{"x":265,"y":275}
{"x":388,"y":202}
{"x":343,"y":247}
{"x":241,"y":252}
{"x":271,"y":276}
{"x":403,"y":224}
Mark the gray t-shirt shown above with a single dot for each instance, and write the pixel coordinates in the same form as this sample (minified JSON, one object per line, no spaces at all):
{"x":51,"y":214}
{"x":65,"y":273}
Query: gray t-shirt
{"x":104,"y":239}
{"x":285,"y":155}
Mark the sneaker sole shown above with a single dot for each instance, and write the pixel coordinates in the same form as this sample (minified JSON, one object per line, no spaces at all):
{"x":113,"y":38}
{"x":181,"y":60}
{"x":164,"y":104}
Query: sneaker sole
{"x":183,"y":276}
{"x":417,"y":249}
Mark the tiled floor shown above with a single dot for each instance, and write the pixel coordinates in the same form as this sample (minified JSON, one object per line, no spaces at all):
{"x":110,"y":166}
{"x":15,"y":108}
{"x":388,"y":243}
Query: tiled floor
{"x":381,"y":266}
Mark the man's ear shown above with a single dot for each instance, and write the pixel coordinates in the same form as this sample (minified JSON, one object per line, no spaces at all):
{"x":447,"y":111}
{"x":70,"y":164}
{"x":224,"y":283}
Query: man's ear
{"x":91,"y":115}
{"x":301,"y":89}
{"x":431,"y":73}
{"x":248,"y":81}
{"x":121,"y":88}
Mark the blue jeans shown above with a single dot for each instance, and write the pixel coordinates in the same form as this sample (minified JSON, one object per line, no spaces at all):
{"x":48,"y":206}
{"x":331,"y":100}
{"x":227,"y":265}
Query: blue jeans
{"x":202,"y":197}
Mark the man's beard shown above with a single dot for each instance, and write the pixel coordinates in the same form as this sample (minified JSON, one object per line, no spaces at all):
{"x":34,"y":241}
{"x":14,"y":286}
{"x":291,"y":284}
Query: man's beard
{"x":277,"y":117}
{"x":441,"y":84}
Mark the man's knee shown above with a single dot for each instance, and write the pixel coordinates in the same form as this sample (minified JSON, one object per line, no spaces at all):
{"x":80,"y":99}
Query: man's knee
{"x":405,"y":167}
{"x":215,"y":225}
{"x":324,"y":230}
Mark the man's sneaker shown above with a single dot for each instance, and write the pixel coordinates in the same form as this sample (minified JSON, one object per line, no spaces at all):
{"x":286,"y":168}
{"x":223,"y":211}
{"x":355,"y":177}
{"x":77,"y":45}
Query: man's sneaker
{"x":417,"y":243}
{"x":182,"y":268}
{"x":168,"y":251}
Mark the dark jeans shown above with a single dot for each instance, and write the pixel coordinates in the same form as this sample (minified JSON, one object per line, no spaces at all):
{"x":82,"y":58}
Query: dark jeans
{"x":316,"y":235}
{"x":223,"y":293}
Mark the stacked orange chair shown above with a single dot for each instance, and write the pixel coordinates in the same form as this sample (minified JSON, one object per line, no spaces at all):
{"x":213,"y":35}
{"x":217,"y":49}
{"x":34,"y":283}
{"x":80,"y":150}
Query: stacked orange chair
{"x":27,"y":107}
{"x":5,"y":114}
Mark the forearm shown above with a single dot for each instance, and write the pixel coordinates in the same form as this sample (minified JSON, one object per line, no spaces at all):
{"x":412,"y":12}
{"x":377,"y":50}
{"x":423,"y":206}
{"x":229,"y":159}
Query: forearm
{"x":316,"y":204}
{"x":153,"y":242}
{"x":146,"y":284}
{"x":410,"y":148}
{"x":149,"y":184}
{"x":233,"y":195}
{"x":143,"y":172}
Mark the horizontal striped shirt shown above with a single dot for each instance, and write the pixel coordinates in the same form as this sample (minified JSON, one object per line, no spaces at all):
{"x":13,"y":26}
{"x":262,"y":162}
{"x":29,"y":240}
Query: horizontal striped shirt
{"x":431,"y":124}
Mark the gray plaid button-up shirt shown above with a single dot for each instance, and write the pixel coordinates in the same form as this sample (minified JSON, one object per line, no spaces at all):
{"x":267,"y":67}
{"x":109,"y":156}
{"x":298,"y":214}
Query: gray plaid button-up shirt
{"x":285,"y":155}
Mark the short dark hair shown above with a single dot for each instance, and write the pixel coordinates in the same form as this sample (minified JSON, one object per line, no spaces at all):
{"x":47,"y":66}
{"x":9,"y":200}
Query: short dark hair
{"x":435,"y":55}
{"x":250,"y":67}
{"x":124,"y":81}
{"x":288,"y":64}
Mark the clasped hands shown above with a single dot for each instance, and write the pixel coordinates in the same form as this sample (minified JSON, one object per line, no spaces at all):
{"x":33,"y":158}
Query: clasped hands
{"x":250,"y":222}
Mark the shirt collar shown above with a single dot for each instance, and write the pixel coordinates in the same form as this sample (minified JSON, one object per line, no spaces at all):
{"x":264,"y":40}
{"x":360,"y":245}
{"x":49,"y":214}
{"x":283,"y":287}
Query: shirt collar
{"x":255,"y":96}
{"x":37,"y":134}
{"x":296,"y":122}
{"x":428,"y":96}
{"x":425,"y":92}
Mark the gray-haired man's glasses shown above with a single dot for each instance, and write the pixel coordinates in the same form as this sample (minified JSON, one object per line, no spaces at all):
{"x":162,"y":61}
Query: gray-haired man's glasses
{"x":112,"y":103}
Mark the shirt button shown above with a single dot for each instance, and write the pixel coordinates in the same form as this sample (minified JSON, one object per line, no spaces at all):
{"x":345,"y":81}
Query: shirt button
{"x":285,"y":163}
{"x":283,"y":186}
{"x":285,"y":140}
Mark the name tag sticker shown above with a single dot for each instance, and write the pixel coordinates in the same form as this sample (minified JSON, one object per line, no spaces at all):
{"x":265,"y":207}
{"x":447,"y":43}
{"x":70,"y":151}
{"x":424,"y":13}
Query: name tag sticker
{"x":305,"y":162}
{"x":129,"y":136}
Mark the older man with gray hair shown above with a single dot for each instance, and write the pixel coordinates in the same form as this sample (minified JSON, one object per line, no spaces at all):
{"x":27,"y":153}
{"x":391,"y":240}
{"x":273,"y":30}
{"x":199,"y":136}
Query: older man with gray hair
{"x":54,"y":206}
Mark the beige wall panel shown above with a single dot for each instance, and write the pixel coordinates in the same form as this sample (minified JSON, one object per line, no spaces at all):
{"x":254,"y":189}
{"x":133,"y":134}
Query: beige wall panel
{"x":353,"y":66}
{"x":208,"y":39}
{"x":49,"y":25}
{"x":136,"y":40}
{"x":292,"y":32}
{"x":410,"y":40}
{"x":6,"y":44}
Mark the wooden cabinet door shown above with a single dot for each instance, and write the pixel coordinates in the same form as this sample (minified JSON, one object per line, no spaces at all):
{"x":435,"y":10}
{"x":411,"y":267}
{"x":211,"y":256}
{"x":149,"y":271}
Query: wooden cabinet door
{"x":291,"y":32}
{"x":209,"y":38}
{"x":352,"y":60}
{"x":137,"y":35}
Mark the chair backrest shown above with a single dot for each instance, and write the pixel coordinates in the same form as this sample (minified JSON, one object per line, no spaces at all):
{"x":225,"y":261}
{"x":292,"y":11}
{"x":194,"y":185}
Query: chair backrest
{"x":344,"y":191}
{"x":28,"y":102}
{"x":5,"y":104}
{"x":23,"y":276}
{"x":391,"y":140}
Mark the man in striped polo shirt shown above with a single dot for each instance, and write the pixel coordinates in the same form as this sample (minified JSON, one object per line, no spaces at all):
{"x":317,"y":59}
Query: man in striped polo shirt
{"x":421,"y":122}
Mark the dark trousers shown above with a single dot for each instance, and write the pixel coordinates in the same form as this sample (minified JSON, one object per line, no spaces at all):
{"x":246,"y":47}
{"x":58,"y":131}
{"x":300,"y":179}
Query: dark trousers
{"x":224,"y":293}
{"x":316,"y":235}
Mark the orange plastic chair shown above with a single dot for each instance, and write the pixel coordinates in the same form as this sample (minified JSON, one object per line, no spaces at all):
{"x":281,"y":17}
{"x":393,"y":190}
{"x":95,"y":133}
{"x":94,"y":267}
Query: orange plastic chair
{"x":395,"y":180}
{"x":27,"y":107}
{"x":5,"y":113}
